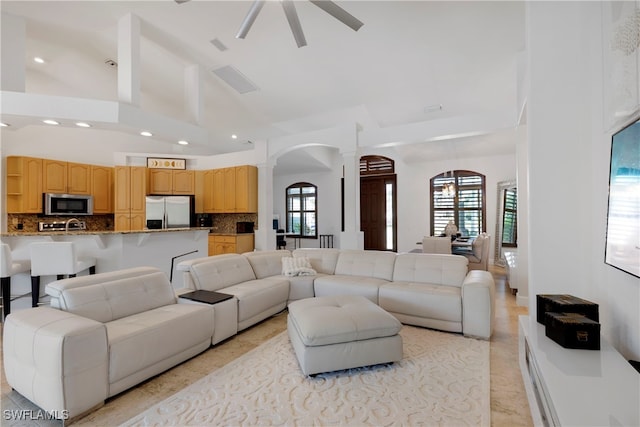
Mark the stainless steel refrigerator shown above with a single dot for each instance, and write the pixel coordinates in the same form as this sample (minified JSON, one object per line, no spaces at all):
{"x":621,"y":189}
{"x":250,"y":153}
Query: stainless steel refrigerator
{"x":169,"y":211}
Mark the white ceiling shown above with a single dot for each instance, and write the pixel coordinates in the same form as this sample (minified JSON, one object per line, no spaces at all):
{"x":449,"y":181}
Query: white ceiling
{"x":390,"y":77}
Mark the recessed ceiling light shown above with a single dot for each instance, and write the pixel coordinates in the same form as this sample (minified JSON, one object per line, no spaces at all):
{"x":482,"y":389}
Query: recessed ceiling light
{"x":50,"y":122}
{"x":183,"y":142}
{"x":38,"y":60}
{"x":4,"y":125}
{"x":234,"y":136}
{"x":146,"y":133}
{"x":83,"y":125}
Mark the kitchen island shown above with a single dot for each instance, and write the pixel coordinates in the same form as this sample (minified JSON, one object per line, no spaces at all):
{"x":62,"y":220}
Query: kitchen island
{"x":113,"y":250}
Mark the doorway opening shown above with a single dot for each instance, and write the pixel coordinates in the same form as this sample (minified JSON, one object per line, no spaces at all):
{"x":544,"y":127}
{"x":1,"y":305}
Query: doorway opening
{"x":378,"y":207}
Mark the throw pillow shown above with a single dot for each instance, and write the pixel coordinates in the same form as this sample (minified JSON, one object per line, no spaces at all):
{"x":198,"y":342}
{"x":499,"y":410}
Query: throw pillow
{"x":298,"y":266}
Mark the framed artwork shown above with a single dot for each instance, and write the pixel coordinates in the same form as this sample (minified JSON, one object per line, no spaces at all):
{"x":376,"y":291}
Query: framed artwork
{"x":622,"y":249}
{"x":162,"y":163}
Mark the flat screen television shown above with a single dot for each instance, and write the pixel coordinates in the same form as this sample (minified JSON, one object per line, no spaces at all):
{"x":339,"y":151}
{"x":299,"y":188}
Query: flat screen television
{"x":622,"y":249}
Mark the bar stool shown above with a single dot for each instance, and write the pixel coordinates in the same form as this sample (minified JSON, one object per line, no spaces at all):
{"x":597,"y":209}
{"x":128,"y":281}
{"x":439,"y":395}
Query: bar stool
{"x":9,"y":267}
{"x":56,"y":259}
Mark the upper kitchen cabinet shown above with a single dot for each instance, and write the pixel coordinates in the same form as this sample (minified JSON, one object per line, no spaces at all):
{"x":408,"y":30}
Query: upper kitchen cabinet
{"x":24,"y":184}
{"x":65,"y":177}
{"x":102,"y":189}
{"x":203,"y":191}
{"x":232,"y":190}
{"x":246,"y":189}
{"x":168,"y":181}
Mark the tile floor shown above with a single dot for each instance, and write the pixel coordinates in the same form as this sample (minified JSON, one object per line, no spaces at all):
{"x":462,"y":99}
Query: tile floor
{"x":509,"y":405}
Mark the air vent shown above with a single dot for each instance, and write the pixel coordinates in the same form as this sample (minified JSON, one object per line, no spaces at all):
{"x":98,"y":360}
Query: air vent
{"x":235,"y":79}
{"x":219,"y":45}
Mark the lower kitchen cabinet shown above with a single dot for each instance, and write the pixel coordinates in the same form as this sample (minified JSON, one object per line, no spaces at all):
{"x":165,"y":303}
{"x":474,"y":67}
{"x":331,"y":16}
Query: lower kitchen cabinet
{"x":230,"y":243}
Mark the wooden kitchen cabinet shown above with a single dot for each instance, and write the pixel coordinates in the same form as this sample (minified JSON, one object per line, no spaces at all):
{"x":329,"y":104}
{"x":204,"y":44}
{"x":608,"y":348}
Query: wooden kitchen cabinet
{"x":232,"y":190}
{"x":246,"y":189}
{"x":65,"y":177}
{"x":230,"y":244}
{"x":24,"y":184}
{"x":102,"y":189}
{"x":167,"y":181}
{"x":204,"y":191}
{"x":184,"y":182}
{"x":130,"y":197}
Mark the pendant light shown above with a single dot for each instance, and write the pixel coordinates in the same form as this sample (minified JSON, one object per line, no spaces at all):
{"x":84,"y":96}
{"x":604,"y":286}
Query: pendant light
{"x":449,"y":187}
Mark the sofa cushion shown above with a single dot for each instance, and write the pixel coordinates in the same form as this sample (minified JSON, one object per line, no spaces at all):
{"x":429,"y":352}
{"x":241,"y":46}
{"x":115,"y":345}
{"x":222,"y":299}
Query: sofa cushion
{"x":422,"y":300}
{"x":220,"y":271}
{"x":301,"y":287}
{"x":377,"y":264}
{"x":323,"y":260}
{"x":137,"y":342}
{"x":256,"y":296}
{"x":330,"y":285}
{"x":267,"y":263}
{"x":112,"y":300}
{"x":438,"y":269}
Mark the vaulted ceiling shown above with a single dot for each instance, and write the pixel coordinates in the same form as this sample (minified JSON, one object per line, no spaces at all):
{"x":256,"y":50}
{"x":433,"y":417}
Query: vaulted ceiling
{"x":417,"y":72}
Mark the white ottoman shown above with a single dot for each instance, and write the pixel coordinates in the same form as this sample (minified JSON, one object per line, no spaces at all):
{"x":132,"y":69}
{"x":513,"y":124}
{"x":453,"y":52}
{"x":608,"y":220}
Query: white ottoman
{"x":331,"y":333}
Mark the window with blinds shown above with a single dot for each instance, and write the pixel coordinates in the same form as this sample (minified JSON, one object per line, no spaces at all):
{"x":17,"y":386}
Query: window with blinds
{"x":465,"y":205}
{"x":302,"y":210}
{"x":510,"y":218}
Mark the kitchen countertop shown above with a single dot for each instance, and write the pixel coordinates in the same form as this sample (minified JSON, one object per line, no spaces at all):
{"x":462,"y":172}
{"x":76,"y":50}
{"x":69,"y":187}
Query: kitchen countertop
{"x":94,"y":233}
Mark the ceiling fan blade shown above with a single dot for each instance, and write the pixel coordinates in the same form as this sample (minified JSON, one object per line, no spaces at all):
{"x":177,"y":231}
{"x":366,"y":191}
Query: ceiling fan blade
{"x":294,"y":22}
{"x":181,"y":1}
{"x":339,"y":13}
{"x":248,"y":20}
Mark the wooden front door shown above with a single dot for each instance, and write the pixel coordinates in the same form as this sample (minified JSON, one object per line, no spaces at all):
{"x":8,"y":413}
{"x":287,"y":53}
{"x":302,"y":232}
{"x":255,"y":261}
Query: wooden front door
{"x":377,"y":221}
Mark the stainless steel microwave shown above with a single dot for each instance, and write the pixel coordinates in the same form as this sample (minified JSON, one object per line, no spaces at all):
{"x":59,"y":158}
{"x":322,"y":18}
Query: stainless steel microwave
{"x":67,"y":204}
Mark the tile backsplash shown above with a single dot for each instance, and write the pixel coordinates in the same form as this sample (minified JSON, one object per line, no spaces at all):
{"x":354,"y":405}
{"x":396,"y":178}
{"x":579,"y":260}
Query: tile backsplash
{"x":29,"y":222}
{"x":222,"y":223}
{"x":226,"y":223}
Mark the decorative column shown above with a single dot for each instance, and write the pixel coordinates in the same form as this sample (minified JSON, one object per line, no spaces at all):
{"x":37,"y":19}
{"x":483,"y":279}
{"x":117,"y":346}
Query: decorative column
{"x":13,"y":53}
{"x":129,"y":59}
{"x":351,"y":237}
{"x":193,"y":93}
{"x":265,"y":235}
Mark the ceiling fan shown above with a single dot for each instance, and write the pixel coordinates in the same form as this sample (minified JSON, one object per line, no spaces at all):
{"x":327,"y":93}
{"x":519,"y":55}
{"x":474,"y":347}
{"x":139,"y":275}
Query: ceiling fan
{"x":292,"y":17}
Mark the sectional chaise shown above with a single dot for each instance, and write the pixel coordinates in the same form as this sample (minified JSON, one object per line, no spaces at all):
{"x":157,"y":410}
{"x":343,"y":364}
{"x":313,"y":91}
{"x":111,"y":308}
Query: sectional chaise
{"x":107,"y":332}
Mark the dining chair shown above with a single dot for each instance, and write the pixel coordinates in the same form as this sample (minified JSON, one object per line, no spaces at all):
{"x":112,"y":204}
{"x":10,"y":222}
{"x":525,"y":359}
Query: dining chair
{"x":479,"y":255}
{"x":436,"y":245}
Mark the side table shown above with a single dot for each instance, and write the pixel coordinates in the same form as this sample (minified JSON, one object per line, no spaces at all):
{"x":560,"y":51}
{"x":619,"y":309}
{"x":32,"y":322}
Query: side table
{"x":225,"y":311}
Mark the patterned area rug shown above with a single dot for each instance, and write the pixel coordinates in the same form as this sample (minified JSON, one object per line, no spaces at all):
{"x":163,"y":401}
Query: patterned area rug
{"x":442,"y":380}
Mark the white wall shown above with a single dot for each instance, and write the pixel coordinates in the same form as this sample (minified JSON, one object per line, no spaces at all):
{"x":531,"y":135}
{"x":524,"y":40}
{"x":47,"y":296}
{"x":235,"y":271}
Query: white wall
{"x":413,"y":193}
{"x":568,"y":164}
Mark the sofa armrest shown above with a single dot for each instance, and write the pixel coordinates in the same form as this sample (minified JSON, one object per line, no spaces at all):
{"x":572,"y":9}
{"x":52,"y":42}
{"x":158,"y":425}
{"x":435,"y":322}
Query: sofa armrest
{"x":478,"y":304}
{"x":56,"y":359}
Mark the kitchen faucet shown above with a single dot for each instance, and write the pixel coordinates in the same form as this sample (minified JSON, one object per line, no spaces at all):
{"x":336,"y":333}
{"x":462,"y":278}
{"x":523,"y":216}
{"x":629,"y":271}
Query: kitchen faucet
{"x":69,"y":221}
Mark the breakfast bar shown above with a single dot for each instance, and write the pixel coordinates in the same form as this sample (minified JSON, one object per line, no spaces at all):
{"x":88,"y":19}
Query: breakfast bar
{"x":113,"y":250}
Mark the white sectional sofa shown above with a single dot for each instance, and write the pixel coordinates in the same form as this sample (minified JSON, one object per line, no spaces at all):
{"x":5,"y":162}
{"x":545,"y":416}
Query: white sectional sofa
{"x":430,"y":290}
{"x":106,"y":332}
{"x":103,"y":334}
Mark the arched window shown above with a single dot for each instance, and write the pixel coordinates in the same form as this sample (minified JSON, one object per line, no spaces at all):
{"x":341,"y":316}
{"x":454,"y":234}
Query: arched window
{"x":302,"y":209}
{"x":458,"y":196}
